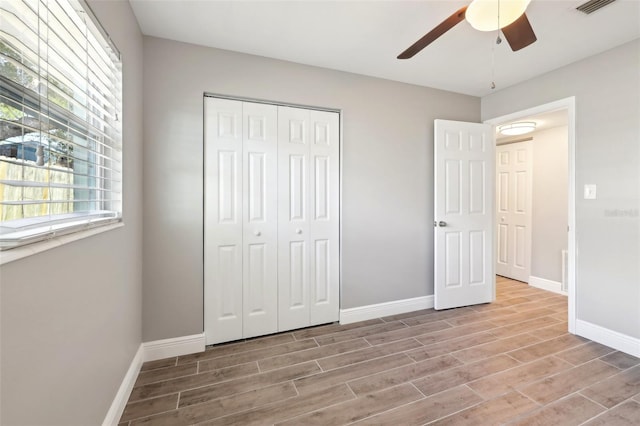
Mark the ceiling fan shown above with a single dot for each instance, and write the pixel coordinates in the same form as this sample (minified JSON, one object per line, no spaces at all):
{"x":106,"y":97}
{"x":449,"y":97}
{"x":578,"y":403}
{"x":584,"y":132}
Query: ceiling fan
{"x":485,"y":15}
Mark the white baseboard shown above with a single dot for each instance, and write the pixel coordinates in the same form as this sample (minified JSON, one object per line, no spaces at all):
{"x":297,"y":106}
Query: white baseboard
{"x":546,"y":284}
{"x":122,"y":396}
{"x":613,"y":339}
{"x":150,"y":351}
{"x":363,"y":313}
{"x":176,"y":346}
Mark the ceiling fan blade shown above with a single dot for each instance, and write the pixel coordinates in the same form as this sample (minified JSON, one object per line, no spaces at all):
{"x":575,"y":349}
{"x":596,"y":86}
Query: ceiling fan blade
{"x":432,"y":35}
{"x":519,"y":34}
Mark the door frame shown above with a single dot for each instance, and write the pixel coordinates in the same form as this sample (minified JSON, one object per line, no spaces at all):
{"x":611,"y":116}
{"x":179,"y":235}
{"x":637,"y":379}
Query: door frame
{"x":568,"y":104}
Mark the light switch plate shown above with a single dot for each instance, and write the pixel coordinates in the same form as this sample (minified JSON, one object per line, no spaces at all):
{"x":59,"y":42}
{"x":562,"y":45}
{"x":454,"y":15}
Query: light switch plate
{"x":589,"y":191}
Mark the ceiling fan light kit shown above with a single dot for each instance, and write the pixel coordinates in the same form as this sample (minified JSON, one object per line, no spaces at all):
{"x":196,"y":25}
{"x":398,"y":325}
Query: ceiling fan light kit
{"x":519,"y":128}
{"x":491,"y":15}
{"x":485,"y":15}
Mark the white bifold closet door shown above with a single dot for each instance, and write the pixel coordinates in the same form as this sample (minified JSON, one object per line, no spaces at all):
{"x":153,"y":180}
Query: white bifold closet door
{"x":308,"y":271}
{"x":241,"y":223}
{"x":271,"y":260}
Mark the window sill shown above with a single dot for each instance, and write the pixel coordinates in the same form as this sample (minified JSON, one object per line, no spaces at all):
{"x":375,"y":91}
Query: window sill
{"x":21,"y":252}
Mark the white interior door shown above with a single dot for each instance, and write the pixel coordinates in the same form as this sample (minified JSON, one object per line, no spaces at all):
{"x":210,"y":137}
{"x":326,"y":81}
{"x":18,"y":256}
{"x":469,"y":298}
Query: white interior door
{"x":260,"y":219}
{"x":223,"y":251}
{"x":513,"y":210}
{"x":463,"y":217}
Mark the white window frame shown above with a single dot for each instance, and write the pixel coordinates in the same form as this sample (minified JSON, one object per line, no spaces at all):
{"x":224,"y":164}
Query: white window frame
{"x":55,"y":229}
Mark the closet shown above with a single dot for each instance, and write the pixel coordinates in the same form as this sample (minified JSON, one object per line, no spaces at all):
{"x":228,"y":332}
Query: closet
{"x":271,"y":219}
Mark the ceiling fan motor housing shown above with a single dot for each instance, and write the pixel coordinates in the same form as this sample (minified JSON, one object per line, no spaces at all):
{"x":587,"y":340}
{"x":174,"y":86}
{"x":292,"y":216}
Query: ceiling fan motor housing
{"x":491,"y":15}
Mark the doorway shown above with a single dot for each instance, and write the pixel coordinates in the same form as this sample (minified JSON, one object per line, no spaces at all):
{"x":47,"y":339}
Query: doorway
{"x":566,"y":108}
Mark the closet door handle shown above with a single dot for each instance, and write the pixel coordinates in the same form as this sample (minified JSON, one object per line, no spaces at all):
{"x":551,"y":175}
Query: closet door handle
{"x":257,"y":233}
{"x":298,"y":231}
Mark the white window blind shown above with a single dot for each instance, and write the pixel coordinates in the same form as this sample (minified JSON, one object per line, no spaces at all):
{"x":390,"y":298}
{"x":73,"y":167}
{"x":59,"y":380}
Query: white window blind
{"x":60,"y":130}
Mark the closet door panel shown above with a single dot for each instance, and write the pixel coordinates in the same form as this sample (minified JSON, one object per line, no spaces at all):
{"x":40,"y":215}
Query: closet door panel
{"x":271,"y":219}
{"x":324,"y":221}
{"x":293,"y":218}
{"x":223,"y":220}
{"x":260,"y":219}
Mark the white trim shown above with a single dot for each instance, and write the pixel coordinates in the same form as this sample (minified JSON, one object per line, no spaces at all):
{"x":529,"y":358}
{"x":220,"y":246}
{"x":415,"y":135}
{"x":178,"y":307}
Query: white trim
{"x":572,"y":243}
{"x":613,"y":339}
{"x":378,"y":310}
{"x":570,"y":105}
{"x":176,"y":346}
{"x":546,"y":284}
{"x":122,"y":396}
{"x":269,"y":102}
{"x":340,"y":213}
{"x":150,"y":351}
{"x":21,"y":252}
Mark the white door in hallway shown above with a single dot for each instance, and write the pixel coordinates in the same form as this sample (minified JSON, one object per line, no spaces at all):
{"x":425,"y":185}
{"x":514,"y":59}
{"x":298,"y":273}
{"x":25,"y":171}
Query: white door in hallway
{"x":513,"y":210}
{"x":463,"y":215}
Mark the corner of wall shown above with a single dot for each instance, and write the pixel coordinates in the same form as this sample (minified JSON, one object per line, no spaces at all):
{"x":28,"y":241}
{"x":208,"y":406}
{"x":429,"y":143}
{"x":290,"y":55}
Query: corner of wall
{"x":150,"y":351}
{"x":122,"y":395}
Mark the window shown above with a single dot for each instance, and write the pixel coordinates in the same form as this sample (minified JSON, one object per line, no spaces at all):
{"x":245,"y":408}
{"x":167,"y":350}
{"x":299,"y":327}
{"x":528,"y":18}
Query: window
{"x":60,"y":133}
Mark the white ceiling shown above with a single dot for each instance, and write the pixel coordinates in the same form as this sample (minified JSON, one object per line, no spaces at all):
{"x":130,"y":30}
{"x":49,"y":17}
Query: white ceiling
{"x":365,"y":37}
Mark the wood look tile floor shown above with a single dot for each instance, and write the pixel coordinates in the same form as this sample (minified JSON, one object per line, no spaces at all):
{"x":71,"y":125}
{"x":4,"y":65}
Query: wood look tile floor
{"x":509,"y":362}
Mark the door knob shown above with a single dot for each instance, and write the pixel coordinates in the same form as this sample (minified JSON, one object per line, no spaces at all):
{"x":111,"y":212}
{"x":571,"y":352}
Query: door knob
{"x":298,"y":231}
{"x":442,"y":223}
{"x":257,"y":233}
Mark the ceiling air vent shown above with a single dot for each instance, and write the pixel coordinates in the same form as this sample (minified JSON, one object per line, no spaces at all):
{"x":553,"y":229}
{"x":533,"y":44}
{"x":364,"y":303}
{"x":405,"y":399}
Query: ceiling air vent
{"x":593,"y":5}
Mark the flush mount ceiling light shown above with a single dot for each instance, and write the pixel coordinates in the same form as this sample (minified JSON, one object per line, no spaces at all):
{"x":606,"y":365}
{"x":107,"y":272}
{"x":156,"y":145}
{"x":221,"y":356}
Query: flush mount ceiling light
{"x":519,"y":128}
{"x":491,"y":15}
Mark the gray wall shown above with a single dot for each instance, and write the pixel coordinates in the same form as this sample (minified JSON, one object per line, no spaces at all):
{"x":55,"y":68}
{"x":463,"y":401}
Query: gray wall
{"x":387,"y":173}
{"x":550,"y":203}
{"x":607,"y":91}
{"x":71,"y":316}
